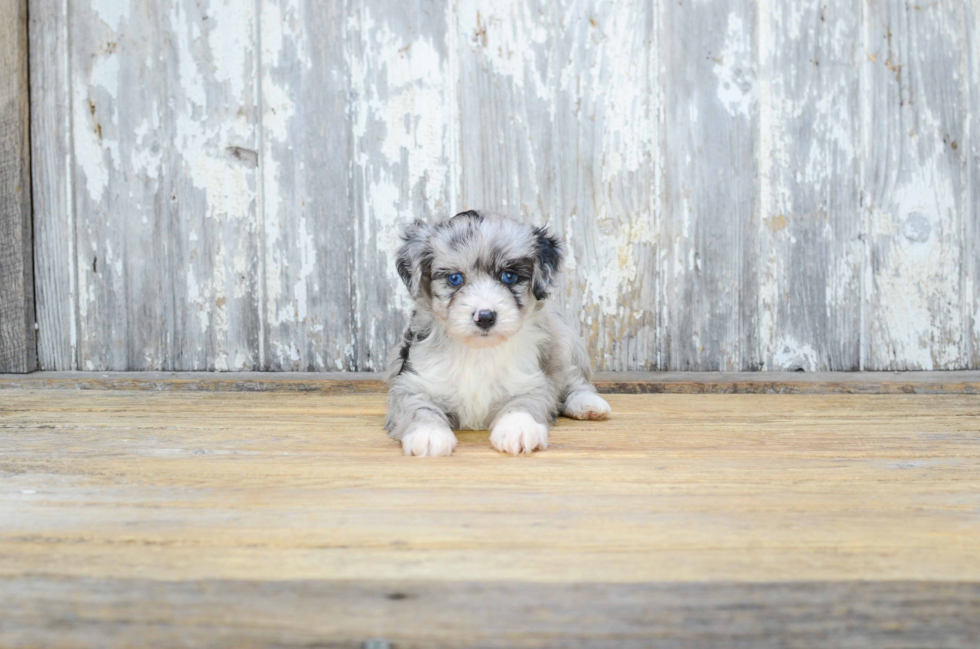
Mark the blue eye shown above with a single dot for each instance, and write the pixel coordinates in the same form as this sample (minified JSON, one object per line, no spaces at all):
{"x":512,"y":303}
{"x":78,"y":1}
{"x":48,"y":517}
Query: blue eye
{"x":508,"y":277}
{"x":455,"y":279}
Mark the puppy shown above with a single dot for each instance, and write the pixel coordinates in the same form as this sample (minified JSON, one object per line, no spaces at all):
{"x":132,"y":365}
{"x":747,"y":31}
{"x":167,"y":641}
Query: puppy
{"x":484,"y":349}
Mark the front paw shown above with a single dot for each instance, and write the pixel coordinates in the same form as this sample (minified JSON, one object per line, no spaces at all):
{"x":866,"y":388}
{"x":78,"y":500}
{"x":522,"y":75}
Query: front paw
{"x":428,"y":440}
{"x":518,"y":432}
{"x":585,"y":404}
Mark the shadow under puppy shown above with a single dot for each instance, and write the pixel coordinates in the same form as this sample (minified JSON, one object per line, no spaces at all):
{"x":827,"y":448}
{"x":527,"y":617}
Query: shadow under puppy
{"x":484,"y":349}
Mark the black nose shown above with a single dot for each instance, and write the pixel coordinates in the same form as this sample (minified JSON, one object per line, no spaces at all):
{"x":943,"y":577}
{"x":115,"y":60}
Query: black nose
{"x":485,"y":319}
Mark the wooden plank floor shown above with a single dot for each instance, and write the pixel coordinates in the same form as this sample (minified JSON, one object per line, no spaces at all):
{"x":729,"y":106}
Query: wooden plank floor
{"x":142,"y":518}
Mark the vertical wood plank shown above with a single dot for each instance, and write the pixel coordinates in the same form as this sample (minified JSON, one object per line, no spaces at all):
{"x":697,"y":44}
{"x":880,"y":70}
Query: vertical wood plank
{"x":558,"y":105}
{"x":507,"y":83}
{"x":708,"y":58}
{"x":971,"y":233}
{"x":605,"y":162}
{"x":120,"y":193}
{"x":307,"y":230}
{"x":812,"y":249}
{"x":914,"y":185}
{"x":402,"y":113}
{"x":215,"y":260}
{"x":18,"y":344}
{"x":165,"y":142}
{"x":51,"y":160}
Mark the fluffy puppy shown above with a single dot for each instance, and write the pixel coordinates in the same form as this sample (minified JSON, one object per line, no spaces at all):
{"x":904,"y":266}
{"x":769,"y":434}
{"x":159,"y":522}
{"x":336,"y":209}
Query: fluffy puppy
{"x":484,"y":349}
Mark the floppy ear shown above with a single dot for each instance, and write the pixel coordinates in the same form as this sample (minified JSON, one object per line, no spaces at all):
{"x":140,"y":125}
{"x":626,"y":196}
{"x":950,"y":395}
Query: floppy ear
{"x":469,"y":214}
{"x":414,"y":258}
{"x":547,"y":262}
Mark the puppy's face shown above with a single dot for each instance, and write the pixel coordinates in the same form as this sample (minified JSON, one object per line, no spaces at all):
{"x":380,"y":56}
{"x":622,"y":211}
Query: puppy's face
{"x":478,"y":274}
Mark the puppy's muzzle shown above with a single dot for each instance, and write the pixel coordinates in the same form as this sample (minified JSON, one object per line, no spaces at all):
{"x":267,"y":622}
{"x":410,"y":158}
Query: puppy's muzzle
{"x":485,"y":319}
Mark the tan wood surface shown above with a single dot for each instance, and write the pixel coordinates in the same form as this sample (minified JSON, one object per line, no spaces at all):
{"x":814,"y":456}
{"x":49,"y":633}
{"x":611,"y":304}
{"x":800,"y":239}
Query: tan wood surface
{"x":143,"y":517}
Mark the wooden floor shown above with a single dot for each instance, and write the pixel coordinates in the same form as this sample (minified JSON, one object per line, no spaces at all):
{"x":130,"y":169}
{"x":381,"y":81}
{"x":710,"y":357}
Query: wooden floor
{"x":147,"y":518}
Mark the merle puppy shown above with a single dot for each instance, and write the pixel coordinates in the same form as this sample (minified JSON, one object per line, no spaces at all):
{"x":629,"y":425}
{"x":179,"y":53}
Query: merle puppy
{"x":484,"y":349}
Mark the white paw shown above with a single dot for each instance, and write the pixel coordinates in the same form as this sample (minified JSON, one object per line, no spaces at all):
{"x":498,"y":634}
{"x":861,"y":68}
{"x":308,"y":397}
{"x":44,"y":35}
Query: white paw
{"x":518,"y":432}
{"x":428,"y":440}
{"x":586,"y":405}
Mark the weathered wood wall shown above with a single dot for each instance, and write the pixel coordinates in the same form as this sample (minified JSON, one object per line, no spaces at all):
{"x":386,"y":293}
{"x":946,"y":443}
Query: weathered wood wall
{"x":742,"y":184}
{"x":18,"y":350}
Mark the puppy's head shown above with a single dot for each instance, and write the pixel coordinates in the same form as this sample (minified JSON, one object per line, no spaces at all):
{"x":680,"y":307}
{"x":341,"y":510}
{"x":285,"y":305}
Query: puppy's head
{"x":479,"y":274}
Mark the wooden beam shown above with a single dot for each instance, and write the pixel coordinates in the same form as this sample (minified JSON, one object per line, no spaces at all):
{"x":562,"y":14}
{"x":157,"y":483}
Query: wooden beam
{"x":114,"y":612}
{"x":18,"y":347}
{"x":959,"y":382}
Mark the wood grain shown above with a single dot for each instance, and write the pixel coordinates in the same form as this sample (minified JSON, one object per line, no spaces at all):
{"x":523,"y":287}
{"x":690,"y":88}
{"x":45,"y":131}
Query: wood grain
{"x":164,"y":143}
{"x":561,"y":102}
{"x":306,"y":266}
{"x":711,"y":131}
{"x":507,"y":84}
{"x":18,"y":345}
{"x":971,"y":231}
{"x":818,"y":519}
{"x":402,"y":113}
{"x":811,"y":236}
{"x":607,"y":163}
{"x":915,"y":186}
{"x":52,"y":171}
{"x":675,"y":487}
{"x":59,"y":612}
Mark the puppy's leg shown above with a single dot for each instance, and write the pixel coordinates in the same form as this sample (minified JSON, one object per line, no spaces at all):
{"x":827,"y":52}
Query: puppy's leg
{"x":421,"y":426}
{"x":581,"y":399}
{"x":522,"y":425}
{"x":585,"y":404}
{"x":518,"y":432}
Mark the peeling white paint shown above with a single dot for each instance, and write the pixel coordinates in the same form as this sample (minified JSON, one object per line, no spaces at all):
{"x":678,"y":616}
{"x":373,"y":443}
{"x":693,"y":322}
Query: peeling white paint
{"x":627,"y":115}
{"x":230,"y":42}
{"x":308,"y":263}
{"x":201,"y":145}
{"x":500,"y":29}
{"x":201,"y":302}
{"x":911,"y":307}
{"x":808,"y":161}
{"x":917,"y":200}
{"x":112,"y":12}
{"x":769,"y":282}
{"x":89,"y":112}
{"x":89,"y":153}
{"x":790,"y":356}
{"x":616,"y":269}
{"x":145,"y":159}
{"x":402,"y":134}
{"x":735,"y":69}
{"x":105,"y":75}
{"x":576,"y":94}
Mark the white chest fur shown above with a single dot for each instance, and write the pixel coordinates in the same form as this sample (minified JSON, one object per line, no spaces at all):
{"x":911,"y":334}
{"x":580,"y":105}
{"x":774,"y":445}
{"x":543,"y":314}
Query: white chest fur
{"x":471,"y":382}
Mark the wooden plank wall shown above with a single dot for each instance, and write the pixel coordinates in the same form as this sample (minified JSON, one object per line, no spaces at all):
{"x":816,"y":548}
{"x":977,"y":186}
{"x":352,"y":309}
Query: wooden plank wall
{"x":742,"y":185}
{"x":18,"y":349}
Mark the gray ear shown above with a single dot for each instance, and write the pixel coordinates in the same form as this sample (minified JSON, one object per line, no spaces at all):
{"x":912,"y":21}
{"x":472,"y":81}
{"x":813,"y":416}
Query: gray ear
{"x":414,"y":258}
{"x":547,"y":262}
